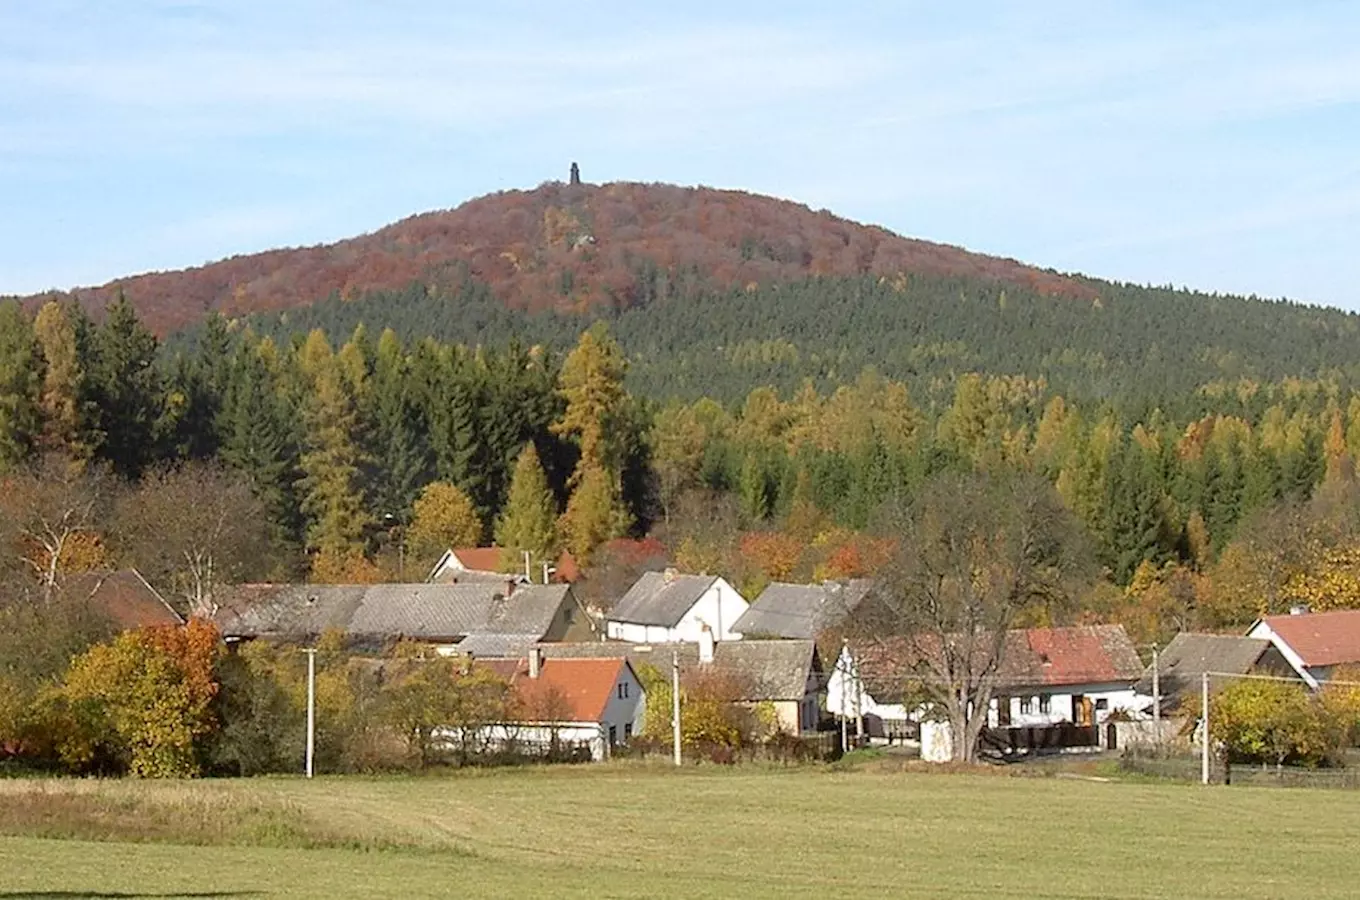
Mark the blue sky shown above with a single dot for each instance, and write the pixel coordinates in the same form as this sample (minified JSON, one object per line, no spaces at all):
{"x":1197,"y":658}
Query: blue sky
{"x":1215,"y":145}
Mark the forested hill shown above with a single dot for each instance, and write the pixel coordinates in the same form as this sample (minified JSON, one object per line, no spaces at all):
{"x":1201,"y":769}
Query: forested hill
{"x":567,"y":248}
{"x":1133,"y":348}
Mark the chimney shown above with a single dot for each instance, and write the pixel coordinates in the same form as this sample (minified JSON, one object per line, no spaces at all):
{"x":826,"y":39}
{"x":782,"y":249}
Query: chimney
{"x":706,"y":644}
{"x":535,"y":661}
{"x":1299,"y":609}
{"x":669,"y":575}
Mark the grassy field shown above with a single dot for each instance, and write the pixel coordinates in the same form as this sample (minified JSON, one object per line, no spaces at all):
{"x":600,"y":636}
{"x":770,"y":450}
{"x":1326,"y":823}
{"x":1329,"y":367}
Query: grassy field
{"x":632,"y":832}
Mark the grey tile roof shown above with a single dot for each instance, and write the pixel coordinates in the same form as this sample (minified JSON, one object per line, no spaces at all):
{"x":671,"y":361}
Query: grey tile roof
{"x":424,"y":611}
{"x":1189,"y":656}
{"x":287,"y":611}
{"x":380,"y":612}
{"x":801,"y":610}
{"x":767,"y":670}
{"x":491,"y":645}
{"x":659,"y":599}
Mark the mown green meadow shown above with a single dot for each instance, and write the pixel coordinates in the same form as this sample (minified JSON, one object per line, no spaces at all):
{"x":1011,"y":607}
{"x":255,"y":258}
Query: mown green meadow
{"x":650,"y":832}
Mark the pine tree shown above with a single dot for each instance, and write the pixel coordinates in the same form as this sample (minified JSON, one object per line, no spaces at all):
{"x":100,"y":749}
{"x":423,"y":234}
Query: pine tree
{"x":20,"y":381}
{"x":528,"y":521}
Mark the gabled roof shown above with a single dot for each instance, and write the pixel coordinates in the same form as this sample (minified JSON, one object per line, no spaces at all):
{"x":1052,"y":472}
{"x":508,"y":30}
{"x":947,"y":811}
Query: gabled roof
{"x":1320,"y":639}
{"x":1188,"y":656}
{"x":566,"y":690}
{"x":661,"y":598}
{"x":382,"y":612}
{"x":125,"y":597}
{"x":1035,"y":658}
{"x":801,"y":610}
{"x":766,"y":670}
{"x":485,"y":564}
{"x":478,"y":559}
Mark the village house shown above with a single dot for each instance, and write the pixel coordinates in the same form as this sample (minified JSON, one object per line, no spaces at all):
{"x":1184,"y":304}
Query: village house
{"x":561,"y":703}
{"x":786,"y":674}
{"x":480,"y":618}
{"x":124,"y":597}
{"x":1182,"y":664}
{"x":801,"y":611}
{"x":1313,"y":645}
{"x":1047,"y":677}
{"x":460,"y":565}
{"x":667,"y":607}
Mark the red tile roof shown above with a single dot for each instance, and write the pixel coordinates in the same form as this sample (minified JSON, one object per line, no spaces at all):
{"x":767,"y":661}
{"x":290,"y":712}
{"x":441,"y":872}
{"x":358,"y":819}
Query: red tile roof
{"x":1035,"y":657}
{"x":488,"y":559}
{"x":479,"y":559}
{"x":125,"y":598}
{"x":566,"y":690}
{"x":1321,"y":639}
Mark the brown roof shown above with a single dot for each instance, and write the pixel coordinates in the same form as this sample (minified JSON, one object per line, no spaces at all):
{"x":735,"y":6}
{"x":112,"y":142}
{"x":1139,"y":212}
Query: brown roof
{"x":566,"y":690}
{"x":1321,"y":639}
{"x":125,"y":597}
{"x":1032,"y":658}
{"x":479,"y":559}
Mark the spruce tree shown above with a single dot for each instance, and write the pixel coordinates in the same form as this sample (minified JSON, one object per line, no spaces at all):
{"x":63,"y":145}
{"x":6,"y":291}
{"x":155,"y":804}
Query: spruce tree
{"x":528,"y":521}
{"x":125,"y":390}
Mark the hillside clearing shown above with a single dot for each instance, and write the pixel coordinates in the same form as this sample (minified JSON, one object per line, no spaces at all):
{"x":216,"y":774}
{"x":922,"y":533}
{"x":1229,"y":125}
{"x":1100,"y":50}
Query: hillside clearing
{"x":703,"y":833}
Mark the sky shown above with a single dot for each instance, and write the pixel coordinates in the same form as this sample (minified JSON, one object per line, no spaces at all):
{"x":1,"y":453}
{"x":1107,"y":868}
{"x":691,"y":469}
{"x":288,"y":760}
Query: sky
{"x":1205,"y":144}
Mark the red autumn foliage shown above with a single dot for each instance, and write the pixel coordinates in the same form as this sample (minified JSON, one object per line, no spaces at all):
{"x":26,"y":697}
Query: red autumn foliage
{"x":772,"y":552}
{"x":565,"y":247}
{"x":859,"y":557}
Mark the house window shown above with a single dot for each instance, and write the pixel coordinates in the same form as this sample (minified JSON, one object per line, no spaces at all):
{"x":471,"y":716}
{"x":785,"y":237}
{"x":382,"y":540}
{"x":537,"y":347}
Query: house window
{"x":613,"y":735}
{"x":623,"y":691}
{"x":1045,"y":704}
{"x":1102,"y":703}
{"x":627,"y":731}
{"x":568,"y":615}
{"x":1026,"y":705}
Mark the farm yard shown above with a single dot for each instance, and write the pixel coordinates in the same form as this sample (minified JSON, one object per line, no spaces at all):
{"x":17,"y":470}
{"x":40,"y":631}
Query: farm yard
{"x":635,"y":830}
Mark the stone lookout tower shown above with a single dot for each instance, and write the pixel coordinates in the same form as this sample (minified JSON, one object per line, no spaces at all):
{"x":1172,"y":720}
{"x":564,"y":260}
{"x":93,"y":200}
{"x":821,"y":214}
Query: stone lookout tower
{"x":575,"y":174}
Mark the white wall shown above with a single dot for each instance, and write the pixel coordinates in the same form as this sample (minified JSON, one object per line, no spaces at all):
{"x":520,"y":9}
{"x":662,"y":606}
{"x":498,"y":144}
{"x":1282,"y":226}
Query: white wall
{"x":1116,"y":696}
{"x":845,"y":695}
{"x":625,"y":714}
{"x":719,"y":607}
{"x":497,"y":737}
{"x":1264,"y":632}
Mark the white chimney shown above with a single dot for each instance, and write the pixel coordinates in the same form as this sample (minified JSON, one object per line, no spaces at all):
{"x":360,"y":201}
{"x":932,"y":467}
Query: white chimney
{"x":669,"y":575}
{"x":706,"y":644}
{"x":1299,"y":609}
{"x":535,"y":661}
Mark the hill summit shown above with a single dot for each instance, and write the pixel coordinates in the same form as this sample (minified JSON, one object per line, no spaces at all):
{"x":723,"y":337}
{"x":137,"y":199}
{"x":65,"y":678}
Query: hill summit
{"x":568,"y":247}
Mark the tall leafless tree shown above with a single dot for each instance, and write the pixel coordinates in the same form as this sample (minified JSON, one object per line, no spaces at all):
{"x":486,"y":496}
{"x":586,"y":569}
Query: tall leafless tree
{"x":192,"y":529}
{"x":976,"y":556}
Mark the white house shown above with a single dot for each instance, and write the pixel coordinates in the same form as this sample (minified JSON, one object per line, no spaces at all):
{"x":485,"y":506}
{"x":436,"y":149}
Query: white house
{"x":597,"y":703}
{"x":1048,"y":676}
{"x":667,"y":607}
{"x":786,"y":675}
{"x":1314,"y":645}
